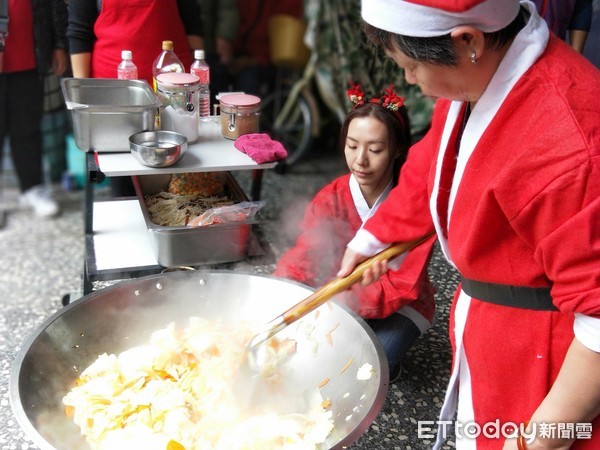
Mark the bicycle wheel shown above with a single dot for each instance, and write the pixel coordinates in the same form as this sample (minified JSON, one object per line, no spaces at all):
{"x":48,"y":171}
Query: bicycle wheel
{"x":296,"y":132}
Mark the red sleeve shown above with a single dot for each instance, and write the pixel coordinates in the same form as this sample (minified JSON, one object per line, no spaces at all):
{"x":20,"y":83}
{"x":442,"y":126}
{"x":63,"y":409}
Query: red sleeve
{"x":407,"y":286}
{"x":329,"y":222}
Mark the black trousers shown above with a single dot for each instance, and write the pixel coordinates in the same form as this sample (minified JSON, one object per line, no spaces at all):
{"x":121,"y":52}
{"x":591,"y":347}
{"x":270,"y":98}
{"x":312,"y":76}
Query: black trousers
{"x":21,"y":109}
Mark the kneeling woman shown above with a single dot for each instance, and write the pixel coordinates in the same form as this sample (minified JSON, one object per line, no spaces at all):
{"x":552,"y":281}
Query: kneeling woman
{"x":375,"y":138}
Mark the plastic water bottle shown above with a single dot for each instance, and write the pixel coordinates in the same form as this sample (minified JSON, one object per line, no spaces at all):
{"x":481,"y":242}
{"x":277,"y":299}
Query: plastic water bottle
{"x":200,"y":68}
{"x":127,"y":70}
{"x":166,"y":62}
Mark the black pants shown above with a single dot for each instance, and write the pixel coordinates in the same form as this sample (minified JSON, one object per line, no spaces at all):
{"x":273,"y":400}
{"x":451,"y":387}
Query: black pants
{"x":21,"y":108}
{"x":397,"y":334}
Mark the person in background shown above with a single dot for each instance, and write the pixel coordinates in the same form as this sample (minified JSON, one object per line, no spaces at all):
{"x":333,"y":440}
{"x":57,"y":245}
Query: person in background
{"x":55,"y":128}
{"x":569,"y":19}
{"x":99,"y":29}
{"x":509,"y":178}
{"x":592,"y":46}
{"x":251,"y":66}
{"x":35,"y":43}
{"x":375,"y":138}
{"x":220,"y":21}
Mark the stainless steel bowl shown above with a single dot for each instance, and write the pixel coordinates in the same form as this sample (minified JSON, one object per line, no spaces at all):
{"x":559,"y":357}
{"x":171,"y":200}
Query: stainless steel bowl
{"x":119,"y":317}
{"x":158,"y":148}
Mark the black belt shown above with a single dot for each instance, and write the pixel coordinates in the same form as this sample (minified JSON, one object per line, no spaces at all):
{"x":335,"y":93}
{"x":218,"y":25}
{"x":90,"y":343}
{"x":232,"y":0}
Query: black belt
{"x":516,"y":296}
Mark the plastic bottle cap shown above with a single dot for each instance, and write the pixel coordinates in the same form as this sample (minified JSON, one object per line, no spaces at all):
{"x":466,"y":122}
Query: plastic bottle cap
{"x":167,"y":45}
{"x":126,"y":54}
{"x":198,"y":54}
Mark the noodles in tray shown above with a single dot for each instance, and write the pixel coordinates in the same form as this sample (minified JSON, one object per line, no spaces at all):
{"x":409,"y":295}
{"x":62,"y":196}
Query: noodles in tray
{"x":174,"y":210}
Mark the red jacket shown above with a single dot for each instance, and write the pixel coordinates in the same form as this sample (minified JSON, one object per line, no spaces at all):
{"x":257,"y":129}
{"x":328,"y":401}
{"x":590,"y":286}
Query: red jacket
{"x":525,"y":211}
{"x":330,"y":221}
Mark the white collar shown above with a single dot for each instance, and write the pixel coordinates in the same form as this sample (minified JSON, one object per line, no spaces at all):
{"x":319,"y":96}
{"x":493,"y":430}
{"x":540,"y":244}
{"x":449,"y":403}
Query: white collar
{"x":529,"y":44}
{"x":360,"y":203}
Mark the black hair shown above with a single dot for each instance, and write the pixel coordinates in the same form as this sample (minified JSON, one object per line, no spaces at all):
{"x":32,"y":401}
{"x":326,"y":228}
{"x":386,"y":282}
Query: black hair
{"x":397,"y":124}
{"x":439,"y":50}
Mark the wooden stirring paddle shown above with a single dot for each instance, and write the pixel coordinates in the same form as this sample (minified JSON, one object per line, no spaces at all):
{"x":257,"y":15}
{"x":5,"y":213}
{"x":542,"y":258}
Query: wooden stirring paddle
{"x":326,"y":292}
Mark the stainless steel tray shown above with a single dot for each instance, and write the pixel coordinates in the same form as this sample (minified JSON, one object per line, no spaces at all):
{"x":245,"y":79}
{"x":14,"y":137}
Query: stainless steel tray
{"x":106,"y":112}
{"x":192,"y":246}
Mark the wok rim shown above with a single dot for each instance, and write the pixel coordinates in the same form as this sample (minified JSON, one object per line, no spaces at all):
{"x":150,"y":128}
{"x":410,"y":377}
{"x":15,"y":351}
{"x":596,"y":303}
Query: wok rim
{"x":31,"y":432}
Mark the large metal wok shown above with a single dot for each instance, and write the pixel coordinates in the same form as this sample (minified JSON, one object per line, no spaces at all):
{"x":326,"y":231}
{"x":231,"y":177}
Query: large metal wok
{"x":124,"y":315}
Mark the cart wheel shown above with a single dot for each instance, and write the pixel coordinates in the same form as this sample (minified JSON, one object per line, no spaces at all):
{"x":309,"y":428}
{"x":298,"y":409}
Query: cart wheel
{"x":296,"y":132}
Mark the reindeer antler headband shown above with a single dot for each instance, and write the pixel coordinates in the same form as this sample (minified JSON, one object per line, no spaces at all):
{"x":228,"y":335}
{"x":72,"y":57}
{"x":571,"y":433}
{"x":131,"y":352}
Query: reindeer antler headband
{"x":389,"y":100}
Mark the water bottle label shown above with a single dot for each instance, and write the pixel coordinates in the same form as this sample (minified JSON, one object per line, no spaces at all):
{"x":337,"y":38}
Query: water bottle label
{"x":204,"y":105}
{"x":128,"y":74}
{"x":203,"y":74}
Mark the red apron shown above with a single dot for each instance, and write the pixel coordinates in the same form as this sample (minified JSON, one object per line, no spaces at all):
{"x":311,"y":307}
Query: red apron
{"x":139,"y":26}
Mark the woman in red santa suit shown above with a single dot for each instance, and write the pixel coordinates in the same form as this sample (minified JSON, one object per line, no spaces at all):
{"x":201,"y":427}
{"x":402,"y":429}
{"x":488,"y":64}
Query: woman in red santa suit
{"x":509,"y":178}
{"x":375,"y":137}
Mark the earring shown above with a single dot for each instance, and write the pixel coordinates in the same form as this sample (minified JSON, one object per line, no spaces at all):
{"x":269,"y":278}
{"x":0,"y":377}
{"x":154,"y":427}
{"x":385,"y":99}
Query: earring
{"x":473,"y":58}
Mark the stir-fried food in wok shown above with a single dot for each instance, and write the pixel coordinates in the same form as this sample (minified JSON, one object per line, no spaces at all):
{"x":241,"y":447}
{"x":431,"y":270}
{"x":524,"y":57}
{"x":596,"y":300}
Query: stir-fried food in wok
{"x":175,"y":393}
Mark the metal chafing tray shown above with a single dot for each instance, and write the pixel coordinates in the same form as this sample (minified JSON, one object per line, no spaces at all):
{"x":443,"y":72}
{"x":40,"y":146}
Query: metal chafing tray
{"x":191,"y":246}
{"x":106,"y":112}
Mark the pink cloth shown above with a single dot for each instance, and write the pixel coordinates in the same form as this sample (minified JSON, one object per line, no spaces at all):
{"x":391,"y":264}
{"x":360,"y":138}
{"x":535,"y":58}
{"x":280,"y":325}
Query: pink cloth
{"x":260,"y":147}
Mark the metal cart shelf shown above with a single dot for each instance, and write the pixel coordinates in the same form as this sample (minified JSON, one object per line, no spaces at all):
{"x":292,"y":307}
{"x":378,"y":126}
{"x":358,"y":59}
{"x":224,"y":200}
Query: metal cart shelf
{"x":116,"y":238}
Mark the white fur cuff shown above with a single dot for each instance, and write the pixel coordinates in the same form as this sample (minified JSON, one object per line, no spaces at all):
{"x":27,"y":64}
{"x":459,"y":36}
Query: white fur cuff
{"x":587,"y":331}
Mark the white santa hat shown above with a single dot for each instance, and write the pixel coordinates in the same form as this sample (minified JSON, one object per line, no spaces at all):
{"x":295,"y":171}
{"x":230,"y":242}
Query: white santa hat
{"x":427,"y":18}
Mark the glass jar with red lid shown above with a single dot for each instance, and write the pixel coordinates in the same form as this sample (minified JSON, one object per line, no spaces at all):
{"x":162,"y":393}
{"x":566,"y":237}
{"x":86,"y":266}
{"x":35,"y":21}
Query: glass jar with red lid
{"x":239,"y":114}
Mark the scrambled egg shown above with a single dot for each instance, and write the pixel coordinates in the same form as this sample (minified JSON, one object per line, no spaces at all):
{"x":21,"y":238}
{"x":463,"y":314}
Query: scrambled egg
{"x":365,"y":372}
{"x":175,"y":393}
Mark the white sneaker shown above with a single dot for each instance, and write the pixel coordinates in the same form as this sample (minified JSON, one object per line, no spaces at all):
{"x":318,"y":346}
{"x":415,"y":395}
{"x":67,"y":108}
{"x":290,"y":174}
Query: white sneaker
{"x":40,"y":200}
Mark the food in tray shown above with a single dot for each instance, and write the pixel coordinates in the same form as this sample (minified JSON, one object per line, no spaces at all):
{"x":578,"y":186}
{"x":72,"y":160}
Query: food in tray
{"x":187,"y":196}
{"x":175,"y":210}
{"x":239,"y":212}
{"x":207,"y":184}
{"x":176,"y":393}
